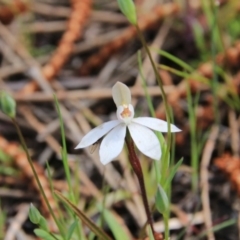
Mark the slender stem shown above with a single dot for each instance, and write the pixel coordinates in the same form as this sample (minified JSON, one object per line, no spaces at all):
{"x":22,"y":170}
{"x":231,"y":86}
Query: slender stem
{"x":168,"y":115}
{"x":24,"y":145}
{"x":138,"y":171}
{"x":166,"y":231}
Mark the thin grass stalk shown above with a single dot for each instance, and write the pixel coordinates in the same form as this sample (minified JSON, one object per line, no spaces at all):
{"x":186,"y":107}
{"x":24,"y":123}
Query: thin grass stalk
{"x":159,"y":83}
{"x":65,"y":163}
{"x":24,"y":145}
{"x":194,"y":147}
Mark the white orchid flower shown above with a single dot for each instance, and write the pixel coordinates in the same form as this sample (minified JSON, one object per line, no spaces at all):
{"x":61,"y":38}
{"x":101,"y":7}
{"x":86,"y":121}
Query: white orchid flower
{"x":140,"y":130}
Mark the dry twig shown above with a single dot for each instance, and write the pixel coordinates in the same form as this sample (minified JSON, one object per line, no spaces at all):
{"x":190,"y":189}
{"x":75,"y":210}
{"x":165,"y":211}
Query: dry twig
{"x":17,"y":222}
{"x":206,"y":157}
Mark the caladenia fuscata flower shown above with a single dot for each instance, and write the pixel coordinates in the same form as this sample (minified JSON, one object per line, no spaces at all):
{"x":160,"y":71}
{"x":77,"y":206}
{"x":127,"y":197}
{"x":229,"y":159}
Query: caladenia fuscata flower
{"x":114,"y":132}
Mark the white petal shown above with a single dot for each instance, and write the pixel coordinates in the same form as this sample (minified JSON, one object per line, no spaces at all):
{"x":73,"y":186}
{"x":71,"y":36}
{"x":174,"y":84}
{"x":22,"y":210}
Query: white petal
{"x":121,"y":94}
{"x":112,"y":144}
{"x":145,"y":140}
{"x":155,"y":124}
{"x":97,"y":133}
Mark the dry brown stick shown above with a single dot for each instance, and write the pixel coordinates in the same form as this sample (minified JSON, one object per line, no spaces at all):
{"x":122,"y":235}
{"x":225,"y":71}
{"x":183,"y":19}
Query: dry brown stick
{"x":7,"y":13}
{"x":39,"y":127}
{"x":102,"y":93}
{"x":50,"y":10}
{"x":96,"y":15}
{"x":14,"y":193}
{"x":17,"y":222}
{"x":6,"y":71}
{"x":9,"y":55}
{"x":46,"y":27}
{"x":234,"y":128}
{"x":144,"y":22}
{"x":20,"y":159}
{"x":175,"y":223}
{"x":79,"y":15}
{"x":93,"y":42}
{"x":206,"y":157}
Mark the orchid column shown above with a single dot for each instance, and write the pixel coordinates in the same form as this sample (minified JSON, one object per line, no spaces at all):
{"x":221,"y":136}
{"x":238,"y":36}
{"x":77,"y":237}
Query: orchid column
{"x":136,"y":131}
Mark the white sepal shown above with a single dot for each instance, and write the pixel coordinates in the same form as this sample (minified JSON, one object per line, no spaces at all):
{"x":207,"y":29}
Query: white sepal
{"x":97,"y":133}
{"x":112,"y":144}
{"x":121,"y":94}
{"x":155,"y":124}
{"x":145,"y":140}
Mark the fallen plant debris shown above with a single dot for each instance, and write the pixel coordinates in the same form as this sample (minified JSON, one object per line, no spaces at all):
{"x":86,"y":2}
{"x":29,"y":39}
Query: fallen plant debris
{"x":145,"y":22}
{"x":230,"y":165}
{"x":11,"y":9}
{"x":20,"y":159}
{"x":77,"y":19}
{"x":76,"y":51}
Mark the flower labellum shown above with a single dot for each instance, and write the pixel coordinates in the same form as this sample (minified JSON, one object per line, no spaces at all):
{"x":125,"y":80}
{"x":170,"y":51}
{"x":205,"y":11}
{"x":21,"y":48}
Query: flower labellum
{"x":114,"y":132}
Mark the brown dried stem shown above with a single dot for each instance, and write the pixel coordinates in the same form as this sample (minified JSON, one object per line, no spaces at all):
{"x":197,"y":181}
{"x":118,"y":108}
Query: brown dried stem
{"x":138,"y":171}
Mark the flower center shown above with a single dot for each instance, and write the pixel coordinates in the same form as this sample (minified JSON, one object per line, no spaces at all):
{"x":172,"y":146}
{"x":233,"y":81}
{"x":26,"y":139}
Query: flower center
{"x":125,"y":113}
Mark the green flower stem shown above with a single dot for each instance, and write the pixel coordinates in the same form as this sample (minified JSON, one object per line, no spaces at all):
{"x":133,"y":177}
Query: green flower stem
{"x":35,"y":174}
{"x":138,"y":171}
{"x":166,"y":225}
{"x":168,"y":115}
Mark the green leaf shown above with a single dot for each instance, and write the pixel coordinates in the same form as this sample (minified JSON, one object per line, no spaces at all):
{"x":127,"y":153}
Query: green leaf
{"x":43,"y":234}
{"x":5,"y":158}
{"x":127,"y":7}
{"x":172,"y":173}
{"x":162,"y":202}
{"x":43,"y":224}
{"x":93,"y":227}
{"x":116,"y":228}
{"x":34,"y":214}
{"x":71,"y":229}
{"x":7,"y":104}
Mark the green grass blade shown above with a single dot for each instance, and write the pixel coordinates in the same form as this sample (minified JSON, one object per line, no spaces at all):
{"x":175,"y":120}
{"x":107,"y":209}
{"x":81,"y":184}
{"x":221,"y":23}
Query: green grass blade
{"x":176,"y":60}
{"x":172,"y":173}
{"x":92,"y":226}
{"x":116,"y":228}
